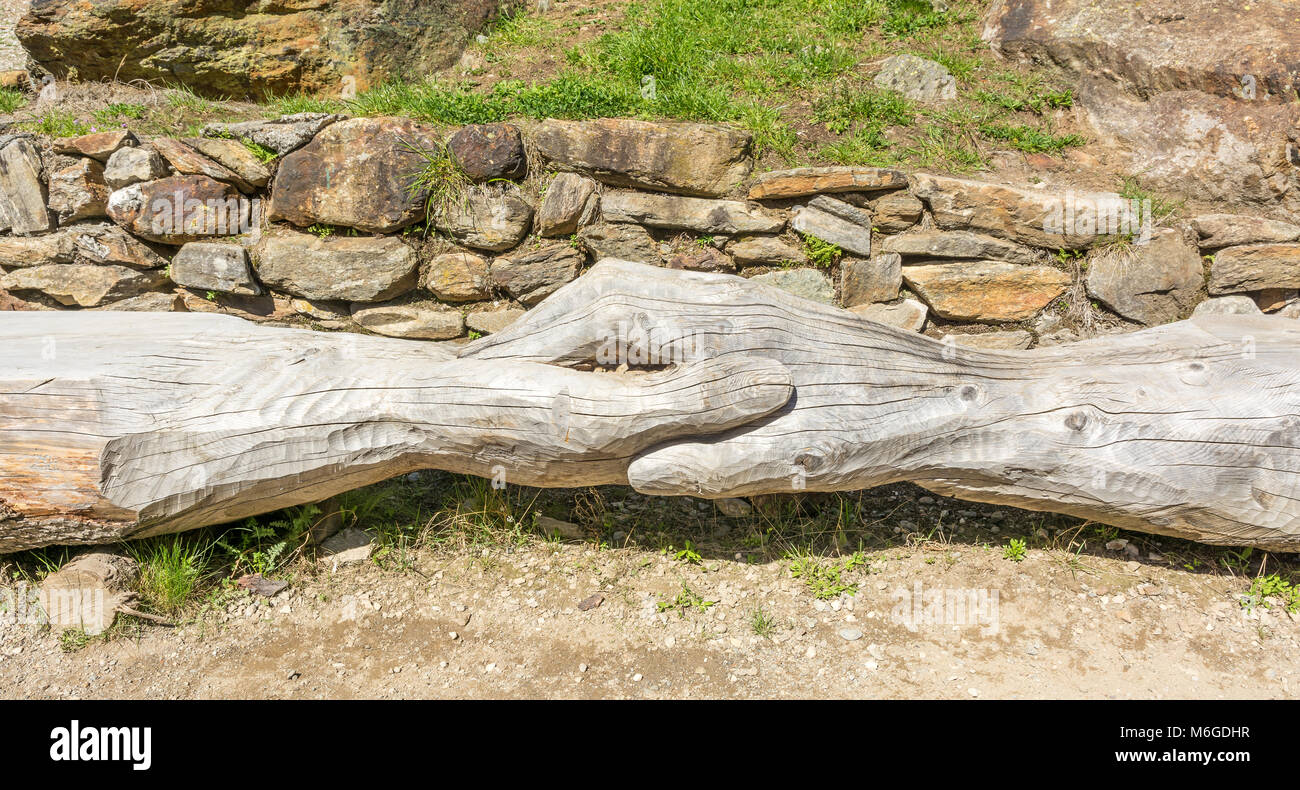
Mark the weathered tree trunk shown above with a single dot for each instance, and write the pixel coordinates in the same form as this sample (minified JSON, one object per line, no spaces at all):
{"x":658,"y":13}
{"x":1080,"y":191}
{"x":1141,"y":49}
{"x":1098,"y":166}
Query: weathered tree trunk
{"x":1190,"y":429}
{"x":126,"y":425}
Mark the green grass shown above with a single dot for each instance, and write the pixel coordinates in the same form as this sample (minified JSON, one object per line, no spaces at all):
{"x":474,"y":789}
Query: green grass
{"x":57,"y":123}
{"x":846,"y":107}
{"x":685,"y":601}
{"x":821,"y":254}
{"x":119,"y":112}
{"x":825,"y":578}
{"x":172,"y":569}
{"x":440,"y":182}
{"x":1031,"y":139}
{"x":1274,"y":587}
{"x":183,"y":99}
{"x":11,"y":100}
{"x":1161,"y":207}
{"x":762,"y":624}
{"x":1014,"y":550}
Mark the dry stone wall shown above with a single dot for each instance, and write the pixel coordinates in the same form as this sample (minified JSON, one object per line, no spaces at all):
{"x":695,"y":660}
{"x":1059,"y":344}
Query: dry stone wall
{"x":335,"y":231}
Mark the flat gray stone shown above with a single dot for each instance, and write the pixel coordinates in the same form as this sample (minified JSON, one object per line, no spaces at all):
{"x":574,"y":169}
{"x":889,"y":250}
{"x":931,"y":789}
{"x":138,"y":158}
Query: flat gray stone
{"x":836,"y":222}
{"x":211,"y":266}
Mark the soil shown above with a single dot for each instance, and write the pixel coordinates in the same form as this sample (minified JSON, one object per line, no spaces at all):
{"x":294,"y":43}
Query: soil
{"x":1071,"y":620}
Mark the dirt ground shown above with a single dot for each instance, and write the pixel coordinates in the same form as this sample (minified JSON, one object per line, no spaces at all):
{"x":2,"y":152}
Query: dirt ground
{"x":1071,"y":620}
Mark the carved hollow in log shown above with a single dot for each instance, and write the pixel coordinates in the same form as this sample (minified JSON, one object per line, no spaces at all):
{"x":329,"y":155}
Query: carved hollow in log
{"x":121,"y":425}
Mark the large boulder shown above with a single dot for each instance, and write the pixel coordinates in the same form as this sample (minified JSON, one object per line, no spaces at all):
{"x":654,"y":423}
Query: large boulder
{"x":357,"y":174}
{"x":245,"y":49}
{"x":686,"y":158}
{"x":342,"y":268}
{"x":1196,"y":95}
{"x":1160,"y":45}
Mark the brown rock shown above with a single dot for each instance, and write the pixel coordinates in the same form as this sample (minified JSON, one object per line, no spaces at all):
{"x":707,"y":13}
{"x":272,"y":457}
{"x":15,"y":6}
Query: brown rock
{"x":250,"y":50}
{"x":864,"y":280}
{"x":1151,"y":283}
{"x":148,"y":303}
{"x":458,"y":277}
{"x":1054,"y":221}
{"x":488,"y":151}
{"x":957,"y":244}
{"x":22,"y":190}
{"x":986,"y":290}
{"x":1215,"y":149}
{"x":906,"y":314}
{"x":415,"y":319}
{"x":78,"y":192}
{"x":99,"y":243}
{"x":234,"y":156}
{"x":1229,"y":230}
{"x":701,"y":258}
{"x":187,"y":161}
{"x":571,"y":201}
{"x":355,"y":174}
{"x":727,"y":217}
{"x":82,"y":284}
{"x":180,"y":209}
{"x":624,"y":242}
{"x":99,"y":146}
{"x":267,"y":307}
{"x":803,"y":181}
{"x":686,"y":158}
{"x":1255,"y":267}
{"x":896,"y":212}
{"x":338,"y":268}
{"x":765,"y":251}
{"x":531,"y":276}
{"x":1168,"y":45}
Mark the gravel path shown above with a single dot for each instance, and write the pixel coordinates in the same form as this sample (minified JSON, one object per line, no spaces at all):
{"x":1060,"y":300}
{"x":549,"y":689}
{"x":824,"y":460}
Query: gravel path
{"x":521,"y":623}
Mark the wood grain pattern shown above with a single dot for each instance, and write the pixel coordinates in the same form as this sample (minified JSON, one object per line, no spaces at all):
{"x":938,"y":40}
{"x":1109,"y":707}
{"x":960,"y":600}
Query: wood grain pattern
{"x":1190,"y":429}
{"x":116,"y":425}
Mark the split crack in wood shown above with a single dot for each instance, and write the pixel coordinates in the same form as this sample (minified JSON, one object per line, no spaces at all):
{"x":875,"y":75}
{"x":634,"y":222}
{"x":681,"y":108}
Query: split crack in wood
{"x":155,"y":423}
